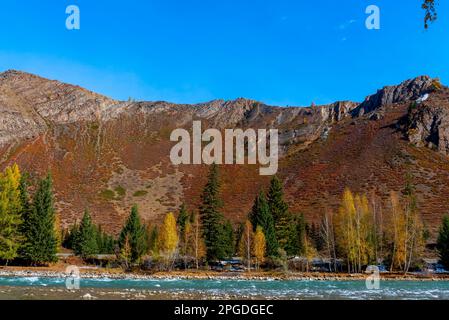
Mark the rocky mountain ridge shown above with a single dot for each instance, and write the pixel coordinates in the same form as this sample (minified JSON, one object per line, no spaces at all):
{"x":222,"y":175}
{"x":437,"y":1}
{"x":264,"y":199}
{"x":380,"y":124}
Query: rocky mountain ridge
{"x":107,"y":154}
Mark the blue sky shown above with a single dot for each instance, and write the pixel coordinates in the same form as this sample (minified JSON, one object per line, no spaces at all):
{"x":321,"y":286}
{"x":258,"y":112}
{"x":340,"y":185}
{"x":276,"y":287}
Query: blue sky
{"x":276,"y":51}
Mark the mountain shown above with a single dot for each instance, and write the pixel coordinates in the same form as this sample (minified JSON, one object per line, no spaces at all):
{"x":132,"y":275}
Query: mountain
{"x":107,"y":155}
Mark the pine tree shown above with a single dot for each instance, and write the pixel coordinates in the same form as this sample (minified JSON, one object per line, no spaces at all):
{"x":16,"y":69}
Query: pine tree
{"x":443,"y":242}
{"x":211,"y":217}
{"x":135,"y":231}
{"x":183,"y":217}
{"x":297,"y":239}
{"x":86,"y":239}
{"x":10,"y":213}
{"x":41,"y":242}
{"x":70,"y":240}
{"x":261,"y":216}
{"x":279,"y":211}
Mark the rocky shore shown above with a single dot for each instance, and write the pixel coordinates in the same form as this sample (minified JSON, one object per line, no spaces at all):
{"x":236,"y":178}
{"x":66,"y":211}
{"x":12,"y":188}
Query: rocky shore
{"x":210,"y":275}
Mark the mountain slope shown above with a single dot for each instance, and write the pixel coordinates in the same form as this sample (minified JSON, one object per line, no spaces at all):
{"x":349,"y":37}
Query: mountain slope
{"x":107,"y":155}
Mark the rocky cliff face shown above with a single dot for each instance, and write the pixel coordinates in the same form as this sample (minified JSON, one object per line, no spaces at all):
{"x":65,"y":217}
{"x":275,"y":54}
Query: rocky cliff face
{"x":427,"y":122}
{"x":108,"y":155}
{"x":407,"y":91}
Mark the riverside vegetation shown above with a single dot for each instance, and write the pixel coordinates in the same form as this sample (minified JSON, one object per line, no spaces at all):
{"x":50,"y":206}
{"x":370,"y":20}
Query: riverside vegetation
{"x":364,"y":231}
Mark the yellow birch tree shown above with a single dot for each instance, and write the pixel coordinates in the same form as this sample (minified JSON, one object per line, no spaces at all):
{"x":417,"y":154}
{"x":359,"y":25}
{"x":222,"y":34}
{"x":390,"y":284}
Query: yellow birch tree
{"x":259,"y":246}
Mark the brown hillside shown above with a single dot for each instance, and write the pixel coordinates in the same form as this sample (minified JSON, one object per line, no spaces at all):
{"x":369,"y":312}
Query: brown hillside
{"x":107,"y":155}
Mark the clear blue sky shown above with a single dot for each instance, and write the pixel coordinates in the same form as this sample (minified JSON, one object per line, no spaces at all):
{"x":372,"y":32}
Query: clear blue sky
{"x":277,"y":51}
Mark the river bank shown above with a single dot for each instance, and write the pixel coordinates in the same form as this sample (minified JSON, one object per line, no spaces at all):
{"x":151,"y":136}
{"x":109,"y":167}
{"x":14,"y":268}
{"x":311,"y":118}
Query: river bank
{"x":102,"y":273}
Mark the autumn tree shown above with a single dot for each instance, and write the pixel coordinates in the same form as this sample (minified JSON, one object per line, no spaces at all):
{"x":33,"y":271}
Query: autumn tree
{"x":354,"y":231}
{"x":125,"y":254}
{"x":10,"y":213}
{"x":327,"y":231}
{"x":259,"y":246}
{"x":309,"y":251}
{"x":169,"y":237}
{"x":186,"y":244}
{"x":404,"y":234}
{"x":364,"y":232}
{"x":198,"y":245}
{"x":246,"y":243}
{"x":345,"y":231}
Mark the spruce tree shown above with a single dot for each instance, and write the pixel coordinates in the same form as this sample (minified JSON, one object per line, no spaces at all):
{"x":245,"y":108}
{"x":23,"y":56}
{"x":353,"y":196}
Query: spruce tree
{"x":229,"y":239}
{"x":299,"y":231}
{"x":261,"y":216}
{"x":86,"y":240}
{"x":281,"y":215}
{"x":443,"y":242}
{"x":41,"y":242}
{"x":153,"y":241}
{"x":71,"y":240}
{"x":211,"y":217}
{"x":136,"y":233}
{"x":183,"y":216}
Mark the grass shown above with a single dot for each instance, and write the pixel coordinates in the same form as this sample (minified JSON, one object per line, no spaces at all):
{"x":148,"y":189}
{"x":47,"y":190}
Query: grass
{"x":107,"y":194}
{"x":140,"y":193}
{"x":120,"y":191}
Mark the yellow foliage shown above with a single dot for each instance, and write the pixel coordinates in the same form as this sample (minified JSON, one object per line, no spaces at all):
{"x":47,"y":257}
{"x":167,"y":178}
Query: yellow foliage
{"x":169,"y":235}
{"x":404,"y":232}
{"x":259,"y":245}
{"x":10,"y":213}
{"x":354,"y":226}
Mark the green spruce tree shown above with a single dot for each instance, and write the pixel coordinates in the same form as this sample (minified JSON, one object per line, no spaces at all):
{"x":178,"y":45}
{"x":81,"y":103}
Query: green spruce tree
{"x":212,"y":218}
{"x":181,"y":221}
{"x":261,"y":216}
{"x":135,"y":231}
{"x":299,"y":231}
{"x":443,"y":242}
{"x":279,"y":211}
{"x":86,"y":240}
{"x":41,"y":242}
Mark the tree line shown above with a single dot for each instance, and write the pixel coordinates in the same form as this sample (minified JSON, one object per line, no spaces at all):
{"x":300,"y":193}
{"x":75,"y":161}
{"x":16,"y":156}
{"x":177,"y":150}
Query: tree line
{"x":363,"y":231}
{"x":28,"y":225}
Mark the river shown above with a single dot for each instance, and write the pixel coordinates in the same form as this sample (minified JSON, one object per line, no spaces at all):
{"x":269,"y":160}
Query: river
{"x":106,"y":288}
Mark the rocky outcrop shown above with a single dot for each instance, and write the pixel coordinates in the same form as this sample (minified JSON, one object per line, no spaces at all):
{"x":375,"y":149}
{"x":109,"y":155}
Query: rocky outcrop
{"x":29,"y":105}
{"x":407,"y":91}
{"x":427,"y":123}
